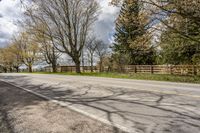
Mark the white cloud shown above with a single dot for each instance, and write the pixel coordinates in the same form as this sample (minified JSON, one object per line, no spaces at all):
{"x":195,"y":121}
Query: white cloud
{"x":104,"y":27}
{"x":10,"y":12}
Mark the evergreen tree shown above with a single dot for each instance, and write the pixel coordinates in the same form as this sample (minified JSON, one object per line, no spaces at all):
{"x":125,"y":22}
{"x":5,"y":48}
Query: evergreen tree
{"x":178,"y":49}
{"x":131,"y":26}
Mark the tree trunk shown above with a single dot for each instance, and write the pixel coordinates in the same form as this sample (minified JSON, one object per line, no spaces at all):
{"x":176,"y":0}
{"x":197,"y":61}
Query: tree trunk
{"x":83,"y":62}
{"x":17,"y":69}
{"x":5,"y":70}
{"x":30,"y":68}
{"x":78,"y":67}
{"x":54,"y":67}
{"x":91,"y":64}
{"x":100,"y":65}
{"x":11,"y":70}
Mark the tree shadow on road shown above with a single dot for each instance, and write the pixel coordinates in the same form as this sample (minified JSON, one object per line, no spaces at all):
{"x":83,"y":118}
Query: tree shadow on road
{"x":12,"y":100}
{"x":143,"y":111}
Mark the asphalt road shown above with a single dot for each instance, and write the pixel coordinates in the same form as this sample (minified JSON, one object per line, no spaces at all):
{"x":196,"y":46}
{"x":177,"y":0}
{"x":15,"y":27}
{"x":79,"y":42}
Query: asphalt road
{"x":133,"y":105}
{"x":23,"y":112}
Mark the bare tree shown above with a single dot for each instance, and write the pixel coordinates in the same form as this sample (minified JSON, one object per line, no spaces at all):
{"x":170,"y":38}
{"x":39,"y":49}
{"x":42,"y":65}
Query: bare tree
{"x":91,"y":47}
{"x":69,"y":22}
{"x":46,"y":44}
{"x":43,"y":35}
{"x":51,"y":55}
{"x":15,"y":56}
{"x":29,"y":50}
{"x":10,"y":58}
{"x":5,"y":59}
{"x":101,"y":51}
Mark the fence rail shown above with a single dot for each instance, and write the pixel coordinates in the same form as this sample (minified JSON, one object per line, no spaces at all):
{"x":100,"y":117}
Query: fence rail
{"x":163,"y":69}
{"x":152,"y":69}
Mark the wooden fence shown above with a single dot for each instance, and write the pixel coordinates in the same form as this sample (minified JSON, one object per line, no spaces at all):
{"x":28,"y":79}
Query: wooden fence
{"x":73,"y":68}
{"x":151,"y":69}
{"x":161,"y":69}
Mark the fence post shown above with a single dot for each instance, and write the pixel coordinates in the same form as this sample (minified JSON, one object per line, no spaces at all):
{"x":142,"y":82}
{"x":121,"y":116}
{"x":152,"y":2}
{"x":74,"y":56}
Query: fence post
{"x":152,"y":69}
{"x":194,"y":70}
{"x":171,"y":70}
{"x":135,"y":69}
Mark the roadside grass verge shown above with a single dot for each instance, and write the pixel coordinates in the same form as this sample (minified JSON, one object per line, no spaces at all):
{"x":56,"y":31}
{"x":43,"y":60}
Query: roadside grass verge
{"x":138,"y":76}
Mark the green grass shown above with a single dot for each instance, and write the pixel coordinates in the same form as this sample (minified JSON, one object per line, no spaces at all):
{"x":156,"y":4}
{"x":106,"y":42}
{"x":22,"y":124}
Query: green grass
{"x":156,"y":77}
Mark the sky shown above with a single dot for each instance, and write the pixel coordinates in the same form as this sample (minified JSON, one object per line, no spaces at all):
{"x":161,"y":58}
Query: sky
{"x":11,"y":12}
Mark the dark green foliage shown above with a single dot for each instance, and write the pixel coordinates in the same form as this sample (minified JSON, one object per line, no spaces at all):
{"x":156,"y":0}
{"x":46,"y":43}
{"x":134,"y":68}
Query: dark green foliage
{"x":131,"y":27}
{"x":179,"y":44}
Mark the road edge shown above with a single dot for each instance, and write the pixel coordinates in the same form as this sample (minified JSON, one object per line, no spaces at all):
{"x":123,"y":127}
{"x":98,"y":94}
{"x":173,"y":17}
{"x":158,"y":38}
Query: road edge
{"x":63,"y":104}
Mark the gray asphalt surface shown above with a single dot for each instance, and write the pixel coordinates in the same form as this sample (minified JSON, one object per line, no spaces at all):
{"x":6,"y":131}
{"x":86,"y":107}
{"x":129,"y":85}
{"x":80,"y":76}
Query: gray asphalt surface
{"x":22,"y":112}
{"x":137,"y":106}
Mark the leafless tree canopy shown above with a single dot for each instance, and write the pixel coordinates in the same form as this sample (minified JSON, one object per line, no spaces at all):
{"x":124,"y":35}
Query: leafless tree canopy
{"x":68,"y":23}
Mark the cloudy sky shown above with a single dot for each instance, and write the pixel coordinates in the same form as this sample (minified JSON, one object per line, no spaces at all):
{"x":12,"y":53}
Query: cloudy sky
{"x":10,"y":13}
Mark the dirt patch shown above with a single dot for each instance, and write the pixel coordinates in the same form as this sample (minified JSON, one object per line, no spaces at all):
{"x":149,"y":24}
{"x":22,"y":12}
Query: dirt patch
{"x":4,"y":125}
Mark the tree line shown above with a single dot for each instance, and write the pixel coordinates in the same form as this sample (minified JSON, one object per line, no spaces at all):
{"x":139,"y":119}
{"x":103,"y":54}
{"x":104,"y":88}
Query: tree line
{"x":147,"y":32}
{"x":52,"y":28}
{"x":158,"y":32}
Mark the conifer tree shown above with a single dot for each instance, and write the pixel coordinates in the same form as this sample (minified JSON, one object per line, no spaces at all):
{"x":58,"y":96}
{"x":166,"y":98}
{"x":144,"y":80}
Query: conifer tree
{"x":179,"y":44}
{"x":131,"y":26}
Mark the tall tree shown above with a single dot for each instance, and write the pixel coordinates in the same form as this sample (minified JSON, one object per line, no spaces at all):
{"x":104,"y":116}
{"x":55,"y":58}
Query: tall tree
{"x":10,"y":58}
{"x":91,"y":47}
{"x":179,"y":44}
{"x":69,"y":22}
{"x":6,"y":59}
{"x":132,"y":36}
{"x":101,"y":51}
{"x":28,"y":48}
{"x":15,"y":56}
{"x":46,"y":43}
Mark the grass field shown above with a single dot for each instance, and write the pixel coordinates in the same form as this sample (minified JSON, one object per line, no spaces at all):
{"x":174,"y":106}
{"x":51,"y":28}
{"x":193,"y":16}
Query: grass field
{"x":156,"y":77}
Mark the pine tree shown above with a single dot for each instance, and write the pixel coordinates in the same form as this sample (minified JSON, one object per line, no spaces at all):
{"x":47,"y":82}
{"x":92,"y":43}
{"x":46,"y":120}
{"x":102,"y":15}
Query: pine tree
{"x":131,"y":26}
{"x":180,"y":42}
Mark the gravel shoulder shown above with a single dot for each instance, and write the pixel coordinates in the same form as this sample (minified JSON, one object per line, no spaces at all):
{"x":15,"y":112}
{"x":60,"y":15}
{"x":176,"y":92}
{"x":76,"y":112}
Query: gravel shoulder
{"x":22,"y":112}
